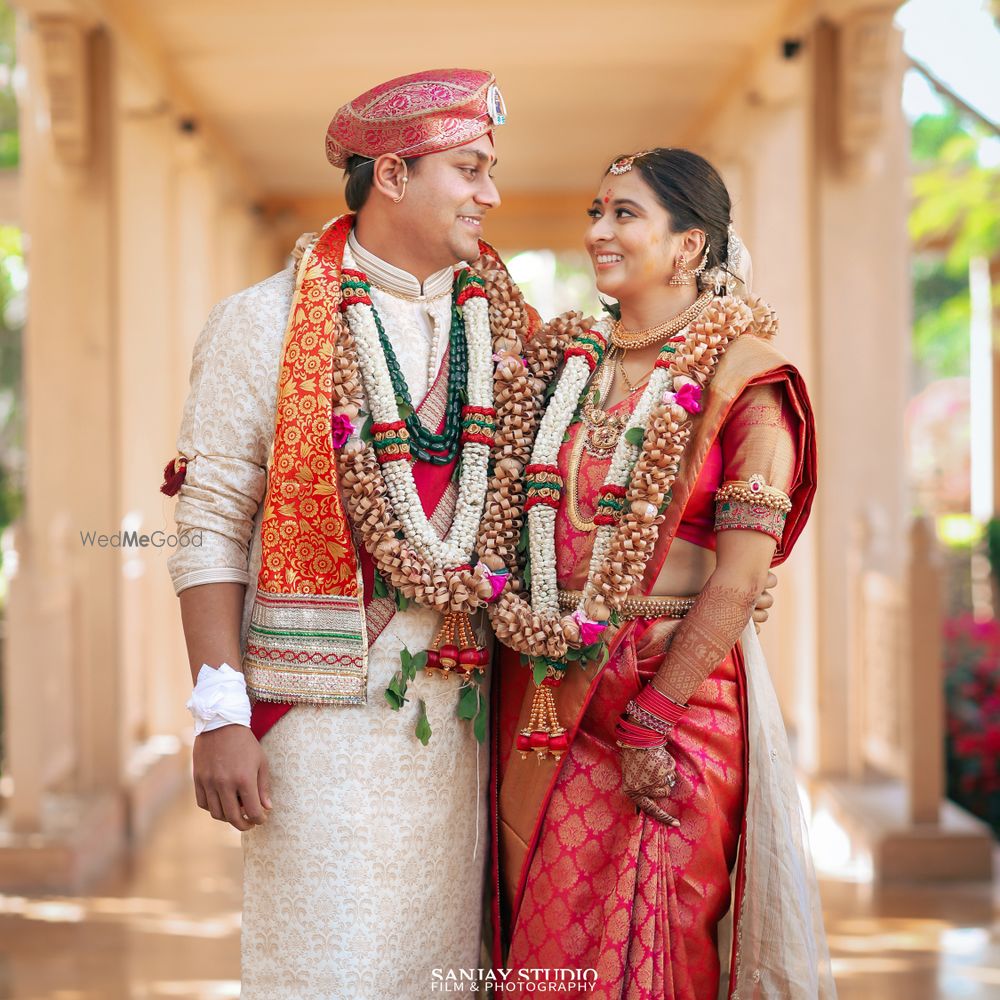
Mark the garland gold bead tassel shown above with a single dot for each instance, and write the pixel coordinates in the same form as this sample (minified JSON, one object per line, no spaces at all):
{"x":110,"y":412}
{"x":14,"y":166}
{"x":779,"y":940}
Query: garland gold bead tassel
{"x":543,"y":736}
{"x":455,"y":647}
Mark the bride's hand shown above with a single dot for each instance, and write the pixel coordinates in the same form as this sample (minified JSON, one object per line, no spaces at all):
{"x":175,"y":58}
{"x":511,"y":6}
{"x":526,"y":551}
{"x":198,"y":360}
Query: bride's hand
{"x":648,"y":775}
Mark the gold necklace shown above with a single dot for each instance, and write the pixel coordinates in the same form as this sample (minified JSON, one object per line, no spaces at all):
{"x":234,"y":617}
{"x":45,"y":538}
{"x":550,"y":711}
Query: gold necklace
{"x":632,"y":340}
{"x":599,"y":436}
{"x":603,"y":429}
{"x":624,"y":374}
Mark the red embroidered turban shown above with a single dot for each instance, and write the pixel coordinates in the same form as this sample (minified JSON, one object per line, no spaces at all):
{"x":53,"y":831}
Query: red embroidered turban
{"x":414,"y":115}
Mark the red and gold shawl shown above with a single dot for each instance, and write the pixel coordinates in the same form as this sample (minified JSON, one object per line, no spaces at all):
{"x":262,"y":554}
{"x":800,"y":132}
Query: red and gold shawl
{"x":306,"y":640}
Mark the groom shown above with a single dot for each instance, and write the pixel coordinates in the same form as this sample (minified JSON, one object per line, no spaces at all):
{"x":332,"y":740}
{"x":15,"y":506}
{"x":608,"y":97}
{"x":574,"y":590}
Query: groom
{"x":364,"y":829}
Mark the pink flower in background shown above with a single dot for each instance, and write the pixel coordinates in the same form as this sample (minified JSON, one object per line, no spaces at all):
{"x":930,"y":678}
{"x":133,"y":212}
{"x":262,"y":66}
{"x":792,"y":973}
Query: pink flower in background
{"x":972,"y":704}
{"x":341,"y":429}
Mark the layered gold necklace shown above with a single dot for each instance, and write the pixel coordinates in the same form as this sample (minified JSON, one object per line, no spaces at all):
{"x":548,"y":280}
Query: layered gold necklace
{"x":602,"y":430}
{"x":635,"y":340}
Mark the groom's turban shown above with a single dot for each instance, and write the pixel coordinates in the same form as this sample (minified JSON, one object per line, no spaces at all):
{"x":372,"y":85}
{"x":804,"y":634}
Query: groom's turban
{"x":414,"y":115}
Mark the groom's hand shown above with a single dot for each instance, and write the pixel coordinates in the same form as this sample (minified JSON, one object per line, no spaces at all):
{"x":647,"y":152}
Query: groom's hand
{"x":764,"y":602}
{"x":231,"y":780}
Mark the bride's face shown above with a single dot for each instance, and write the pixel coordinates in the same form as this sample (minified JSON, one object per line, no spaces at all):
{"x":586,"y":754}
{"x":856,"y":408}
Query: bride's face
{"x":630,"y":242}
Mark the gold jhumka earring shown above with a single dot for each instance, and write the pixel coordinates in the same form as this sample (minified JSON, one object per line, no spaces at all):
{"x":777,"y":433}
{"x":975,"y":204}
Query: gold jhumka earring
{"x":684,"y":275}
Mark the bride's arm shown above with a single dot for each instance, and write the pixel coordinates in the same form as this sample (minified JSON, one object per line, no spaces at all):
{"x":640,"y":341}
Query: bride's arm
{"x":723,"y":608}
{"x":758,"y":453}
{"x":709,"y":630}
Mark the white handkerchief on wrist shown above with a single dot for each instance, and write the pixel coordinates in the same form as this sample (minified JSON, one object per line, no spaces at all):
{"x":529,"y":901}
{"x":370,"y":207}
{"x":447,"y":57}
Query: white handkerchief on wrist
{"x":219,"y":699}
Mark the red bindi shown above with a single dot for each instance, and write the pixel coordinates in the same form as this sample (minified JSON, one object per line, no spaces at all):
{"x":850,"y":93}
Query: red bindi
{"x":607,"y":196}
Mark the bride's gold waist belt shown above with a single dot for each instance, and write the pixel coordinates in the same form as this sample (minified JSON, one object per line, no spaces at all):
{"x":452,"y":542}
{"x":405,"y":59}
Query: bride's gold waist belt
{"x":637,"y":607}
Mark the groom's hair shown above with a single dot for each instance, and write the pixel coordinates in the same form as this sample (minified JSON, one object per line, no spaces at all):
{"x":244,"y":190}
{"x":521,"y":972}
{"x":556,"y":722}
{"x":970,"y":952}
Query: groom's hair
{"x":360,"y":174}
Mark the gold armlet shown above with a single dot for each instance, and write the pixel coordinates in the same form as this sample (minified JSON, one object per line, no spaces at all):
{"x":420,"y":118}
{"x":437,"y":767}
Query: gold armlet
{"x":751,"y":506}
{"x":754,"y":491}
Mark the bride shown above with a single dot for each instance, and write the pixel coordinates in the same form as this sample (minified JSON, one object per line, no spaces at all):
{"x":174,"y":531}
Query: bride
{"x":644,"y":783}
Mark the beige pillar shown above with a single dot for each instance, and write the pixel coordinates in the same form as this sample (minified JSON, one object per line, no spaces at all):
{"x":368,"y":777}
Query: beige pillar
{"x":69,"y":376}
{"x":860,"y":281}
{"x":760,"y":141}
{"x":150,"y":643}
{"x":924,"y":694}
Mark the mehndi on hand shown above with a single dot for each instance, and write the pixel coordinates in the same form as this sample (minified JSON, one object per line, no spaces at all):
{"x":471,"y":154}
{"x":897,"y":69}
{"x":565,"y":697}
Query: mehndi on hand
{"x":648,"y":775}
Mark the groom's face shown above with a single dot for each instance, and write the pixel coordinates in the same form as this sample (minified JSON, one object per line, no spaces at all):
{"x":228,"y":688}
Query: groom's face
{"x":447,"y":199}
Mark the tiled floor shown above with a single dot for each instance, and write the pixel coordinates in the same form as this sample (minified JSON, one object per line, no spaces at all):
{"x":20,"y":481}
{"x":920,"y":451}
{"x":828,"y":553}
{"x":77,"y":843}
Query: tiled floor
{"x":169,"y":928}
{"x":913,"y":943}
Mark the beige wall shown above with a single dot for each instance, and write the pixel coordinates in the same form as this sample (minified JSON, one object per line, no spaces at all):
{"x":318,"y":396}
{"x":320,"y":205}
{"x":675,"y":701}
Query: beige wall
{"x":830,"y":251}
{"x":130,"y":243}
{"x":762,"y":148}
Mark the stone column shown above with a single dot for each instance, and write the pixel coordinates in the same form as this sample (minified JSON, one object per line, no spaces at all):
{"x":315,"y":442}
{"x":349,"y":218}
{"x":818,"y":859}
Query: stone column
{"x":861,"y":321}
{"x":62,"y":665}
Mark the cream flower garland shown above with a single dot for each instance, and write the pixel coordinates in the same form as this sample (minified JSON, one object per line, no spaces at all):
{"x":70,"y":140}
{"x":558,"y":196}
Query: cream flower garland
{"x":524,"y":364}
{"x":642,"y":477}
{"x":542,"y":519}
{"x":456,"y":548}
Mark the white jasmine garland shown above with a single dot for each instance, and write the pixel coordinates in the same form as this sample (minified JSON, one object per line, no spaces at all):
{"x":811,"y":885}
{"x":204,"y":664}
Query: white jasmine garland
{"x":573,"y":382}
{"x":541,"y":544}
{"x":623,"y":462}
{"x":456,"y":548}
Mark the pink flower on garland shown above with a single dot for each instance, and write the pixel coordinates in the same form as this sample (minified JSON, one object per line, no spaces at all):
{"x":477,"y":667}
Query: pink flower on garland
{"x":688,"y":397}
{"x":498,"y":581}
{"x":590,"y":631}
{"x":341,"y":429}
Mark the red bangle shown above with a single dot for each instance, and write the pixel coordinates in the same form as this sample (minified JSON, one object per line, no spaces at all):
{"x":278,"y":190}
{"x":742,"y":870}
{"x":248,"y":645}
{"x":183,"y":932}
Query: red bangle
{"x":660,"y":705}
{"x":638,"y":737}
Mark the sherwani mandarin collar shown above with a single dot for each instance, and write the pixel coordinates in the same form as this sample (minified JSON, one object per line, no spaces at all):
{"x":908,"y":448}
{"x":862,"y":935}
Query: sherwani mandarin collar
{"x":394,"y":279}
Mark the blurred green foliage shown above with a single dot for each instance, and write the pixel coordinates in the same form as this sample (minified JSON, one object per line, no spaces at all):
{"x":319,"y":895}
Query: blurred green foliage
{"x":9,"y":145}
{"x":955,"y":216}
{"x":993,"y":546}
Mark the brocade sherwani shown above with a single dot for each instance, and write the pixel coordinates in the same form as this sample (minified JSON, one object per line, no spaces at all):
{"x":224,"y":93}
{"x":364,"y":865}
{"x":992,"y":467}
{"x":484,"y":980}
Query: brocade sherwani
{"x":368,"y":874}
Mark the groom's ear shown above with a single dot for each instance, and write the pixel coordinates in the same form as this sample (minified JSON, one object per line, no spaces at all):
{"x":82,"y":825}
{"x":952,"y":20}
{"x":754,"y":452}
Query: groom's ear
{"x":390,"y":175}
